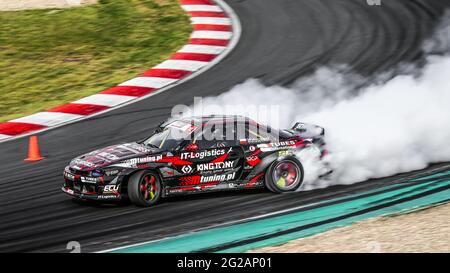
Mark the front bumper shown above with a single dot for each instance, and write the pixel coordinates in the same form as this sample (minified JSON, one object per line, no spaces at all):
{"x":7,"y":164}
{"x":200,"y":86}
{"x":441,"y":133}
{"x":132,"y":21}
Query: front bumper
{"x":80,"y":185}
{"x":91,"y":196}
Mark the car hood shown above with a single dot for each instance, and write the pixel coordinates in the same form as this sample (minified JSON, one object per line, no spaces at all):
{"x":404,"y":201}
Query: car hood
{"x":111,"y":155}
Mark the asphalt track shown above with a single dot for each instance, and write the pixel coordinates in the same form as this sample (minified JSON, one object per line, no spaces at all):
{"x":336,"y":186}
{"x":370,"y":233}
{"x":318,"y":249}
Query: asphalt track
{"x":281,"y":41}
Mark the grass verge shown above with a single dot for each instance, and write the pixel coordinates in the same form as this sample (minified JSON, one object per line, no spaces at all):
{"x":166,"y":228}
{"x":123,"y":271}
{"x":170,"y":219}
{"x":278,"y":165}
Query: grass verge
{"x":51,"y":57}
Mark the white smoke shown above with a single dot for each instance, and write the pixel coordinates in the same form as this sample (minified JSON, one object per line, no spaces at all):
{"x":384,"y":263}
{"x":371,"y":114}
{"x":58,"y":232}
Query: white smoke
{"x":383,"y":128}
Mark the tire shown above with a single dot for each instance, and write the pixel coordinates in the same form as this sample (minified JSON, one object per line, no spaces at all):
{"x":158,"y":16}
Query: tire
{"x":288,"y":168}
{"x":144,"y":188}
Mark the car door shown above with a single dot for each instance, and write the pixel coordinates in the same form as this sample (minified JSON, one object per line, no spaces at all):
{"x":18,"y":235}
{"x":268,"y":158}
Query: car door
{"x":216,"y":158}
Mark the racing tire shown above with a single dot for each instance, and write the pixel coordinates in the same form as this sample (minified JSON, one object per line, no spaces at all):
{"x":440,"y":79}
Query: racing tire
{"x":144,"y":188}
{"x":285,"y":175}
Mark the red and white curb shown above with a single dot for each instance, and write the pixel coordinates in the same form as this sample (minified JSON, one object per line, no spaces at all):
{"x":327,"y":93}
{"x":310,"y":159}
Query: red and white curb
{"x":216,"y":32}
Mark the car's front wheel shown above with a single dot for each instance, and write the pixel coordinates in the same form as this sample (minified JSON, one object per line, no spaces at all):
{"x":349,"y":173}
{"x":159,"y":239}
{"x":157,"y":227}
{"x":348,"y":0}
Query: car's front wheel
{"x":284,"y":175}
{"x":144,"y":188}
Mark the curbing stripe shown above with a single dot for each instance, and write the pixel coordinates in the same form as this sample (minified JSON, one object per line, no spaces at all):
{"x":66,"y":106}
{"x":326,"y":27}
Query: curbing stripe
{"x":47,"y":118}
{"x":105,"y":99}
{"x":181,"y":65}
{"x":151,"y":82}
{"x":204,"y":49}
{"x":80,"y":109}
{"x":193,"y":57}
{"x":214,"y":23}
{"x":134,"y":91}
{"x":212,"y":27}
{"x":210,"y":34}
{"x":17,"y":128}
{"x":166,"y":73}
{"x":202,"y":8}
{"x":210,"y":21}
{"x":207,"y":14}
{"x":196,"y":2}
{"x":215,"y":42}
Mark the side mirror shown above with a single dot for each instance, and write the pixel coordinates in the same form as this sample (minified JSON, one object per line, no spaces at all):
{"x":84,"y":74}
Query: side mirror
{"x":192,"y":147}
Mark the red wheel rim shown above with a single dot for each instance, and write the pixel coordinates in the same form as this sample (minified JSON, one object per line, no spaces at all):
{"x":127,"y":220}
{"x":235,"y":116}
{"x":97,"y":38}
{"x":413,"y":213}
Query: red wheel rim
{"x":148,"y":187}
{"x":286,"y":174}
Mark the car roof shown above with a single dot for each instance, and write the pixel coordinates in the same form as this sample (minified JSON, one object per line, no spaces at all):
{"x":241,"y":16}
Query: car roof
{"x":211,"y":119}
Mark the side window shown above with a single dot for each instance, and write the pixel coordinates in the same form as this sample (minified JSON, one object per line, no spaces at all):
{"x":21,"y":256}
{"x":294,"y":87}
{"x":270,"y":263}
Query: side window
{"x":214,"y":136}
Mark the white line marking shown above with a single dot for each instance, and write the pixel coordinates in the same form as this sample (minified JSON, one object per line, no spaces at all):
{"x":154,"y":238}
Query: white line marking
{"x":48,"y":118}
{"x":210,"y":21}
{"x":204,"y":49}
{"x":105,"y":99}
{"x":182,"y":65}
{"x":152,"y":82}
{"x":210,"y":34}
{"x":201,"y":8}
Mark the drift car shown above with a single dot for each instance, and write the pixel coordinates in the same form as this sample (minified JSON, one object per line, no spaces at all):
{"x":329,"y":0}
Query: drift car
{"x":193,"y":155}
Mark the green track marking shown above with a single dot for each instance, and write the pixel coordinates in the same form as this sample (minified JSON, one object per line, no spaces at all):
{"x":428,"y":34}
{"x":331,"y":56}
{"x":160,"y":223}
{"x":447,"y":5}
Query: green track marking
{"x":430,"y":199}
{"x":216,"y":237}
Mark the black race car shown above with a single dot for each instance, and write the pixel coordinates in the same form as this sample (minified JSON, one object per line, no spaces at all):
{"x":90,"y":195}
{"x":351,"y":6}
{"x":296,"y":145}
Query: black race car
{"x":197,"y":154}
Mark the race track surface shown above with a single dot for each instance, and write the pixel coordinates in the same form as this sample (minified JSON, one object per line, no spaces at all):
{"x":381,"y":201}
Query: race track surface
{"x":281,"y":41}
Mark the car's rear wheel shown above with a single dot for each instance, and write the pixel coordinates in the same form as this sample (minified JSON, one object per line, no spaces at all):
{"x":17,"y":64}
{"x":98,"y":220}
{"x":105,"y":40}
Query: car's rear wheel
{"x":144,"y":188}
{"x":285,"y":175}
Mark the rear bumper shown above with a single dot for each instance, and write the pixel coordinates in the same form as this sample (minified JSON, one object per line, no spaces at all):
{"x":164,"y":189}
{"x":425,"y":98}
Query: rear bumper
{"x":90,"y":196}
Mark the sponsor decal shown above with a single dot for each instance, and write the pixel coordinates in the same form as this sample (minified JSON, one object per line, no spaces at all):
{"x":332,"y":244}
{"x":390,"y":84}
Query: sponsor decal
{"x":274,"y":146}
{"x":141,"y":160}
{"x":218,"y":177}
{"x":111,"y":189}
{"x":202,"y":154}
{"x":82,"y":162}
{"x":248,"y":141}
{"x":252,"y":148}
{"x":277,"y":144}
{"x":107,"y":196}
{"x":111,"y":173}
{"x":93,"y":180}
{"x":215,"y":166}
{"x":252,"y":160}
{"x":197,"y":179}
{"x":187,"y":169}
{"x":284,"y":153}
{"x":175,"y":191}
{"x":142,"y":166}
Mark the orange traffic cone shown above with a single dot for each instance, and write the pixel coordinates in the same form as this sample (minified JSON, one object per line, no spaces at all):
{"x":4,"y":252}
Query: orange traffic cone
{"x":33,"y":150}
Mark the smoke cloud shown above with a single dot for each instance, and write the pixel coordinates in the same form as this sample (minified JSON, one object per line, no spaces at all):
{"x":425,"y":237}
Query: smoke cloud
{"x":374,"y":127}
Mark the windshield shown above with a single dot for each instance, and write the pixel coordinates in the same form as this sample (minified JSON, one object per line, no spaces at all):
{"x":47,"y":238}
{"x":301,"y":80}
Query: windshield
{"x":170,"y":136}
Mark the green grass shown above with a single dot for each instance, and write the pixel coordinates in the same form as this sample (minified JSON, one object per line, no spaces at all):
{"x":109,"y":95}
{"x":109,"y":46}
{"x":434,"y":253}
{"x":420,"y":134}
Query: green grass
{"x":51,"y":57}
